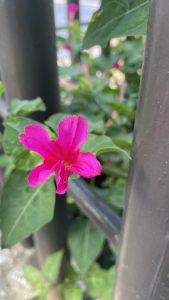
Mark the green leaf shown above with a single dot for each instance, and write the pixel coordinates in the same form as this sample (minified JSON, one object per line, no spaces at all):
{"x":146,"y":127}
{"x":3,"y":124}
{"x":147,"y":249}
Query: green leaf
{"x":54,"y":120}
{"x":25,"y":107}
{"x":34,"y":277}
{"x":100,"y":282}
{"x":14,"y":126}
{"x":101,"y":144}
{"x":95,"y":124}
{"x":51,"y":267}
{"x":74,"y":176}
{"x":72,"y":71}
{"x":72,"y":292}
{"x":5,"y":161}
{"x":1,"y":140}
{"x":115,"y":19}
{"x":24,"y":210}
{"x":22,"y":158}
{"x":2,"y":90}
{"x":85,"y":244}
{"x":71,"y":275}
{"x":123,"y":140}
{"x":123,"y":108}
{"x":115,"y":195}
{"x":40,"y":297}
{"x":27,"y":160}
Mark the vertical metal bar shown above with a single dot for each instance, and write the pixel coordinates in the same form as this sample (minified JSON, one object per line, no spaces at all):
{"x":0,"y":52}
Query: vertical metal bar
{"x":28,"y":51}
{"x":143,"y":264}
{"x":28,"y":63}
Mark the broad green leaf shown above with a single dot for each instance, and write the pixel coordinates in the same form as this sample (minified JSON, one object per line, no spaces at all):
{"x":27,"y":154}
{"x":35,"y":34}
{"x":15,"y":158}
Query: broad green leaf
{"x":100,"y":282}
{"x":101,"y":144}
{"x":22,"y":158}
{"x":40,"y":297}
{"x":2,"y":90}
{"x":25,"y":107}
{"x":115,"y":19}
{"x":51,"y":267}
{"x":72,"y":292}
{"x":123,"y":108}
{"x":123,"y":140}
{"x":115,"y":195}
{"x":70,"y":287}
{"x":27,"y":160}
{"x":14,"y":126}
{"x":34,"y":277}
{"x":73,"y":71}
{"x":85,"y":243}
{"x":24,"y":210}
{"x":114,"y":250}
{"x":71,"y":275}
{"x":5,"y":161}
{"x":1,"y":140}
{"x":95,"y":124}
{"x":54,"y":120}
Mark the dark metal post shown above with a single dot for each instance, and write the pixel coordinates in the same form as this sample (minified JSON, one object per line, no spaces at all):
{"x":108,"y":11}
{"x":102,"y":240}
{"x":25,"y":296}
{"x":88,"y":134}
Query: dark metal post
{"x":28,"y":65}
{"x":28,"y":51}
{"x":143,"y":271}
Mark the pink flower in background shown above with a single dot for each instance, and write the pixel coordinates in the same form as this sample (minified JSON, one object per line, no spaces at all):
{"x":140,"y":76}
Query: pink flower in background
{"x":123,"y":87}
{"x":61,"y":156}
{"x":85,"y":71}
{"x":116,"y":65}
{"x":72,"y":8}
{"x":114,"y":115}
{"x":67,"y":47}
{"x":63,"y":83}
{"x":72,"y":11}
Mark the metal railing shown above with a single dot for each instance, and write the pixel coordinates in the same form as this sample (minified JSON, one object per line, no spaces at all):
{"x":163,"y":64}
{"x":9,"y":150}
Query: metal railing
{"x":28,"y":63}
{"x":29,"y":69}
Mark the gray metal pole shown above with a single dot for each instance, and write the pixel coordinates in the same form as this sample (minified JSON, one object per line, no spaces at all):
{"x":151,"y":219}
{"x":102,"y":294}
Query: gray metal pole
{"x":28,"y":66}
{"x":28,"y":51}
{"x":143,"y":270}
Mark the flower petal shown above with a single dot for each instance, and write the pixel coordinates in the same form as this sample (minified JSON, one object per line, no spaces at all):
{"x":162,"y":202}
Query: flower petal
{"x":87,"y":166}
{"x":36,"y":138}
{"x":62,"y":179}
{"x":72,"y":132}
{"x":41,"y":173}
{"x":38,"y":175}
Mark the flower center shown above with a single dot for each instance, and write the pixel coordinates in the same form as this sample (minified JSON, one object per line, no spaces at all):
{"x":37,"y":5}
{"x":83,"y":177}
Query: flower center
{"x":67,"y":165}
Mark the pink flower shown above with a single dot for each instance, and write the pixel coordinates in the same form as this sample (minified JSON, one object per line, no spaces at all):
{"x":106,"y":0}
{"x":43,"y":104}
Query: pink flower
{"x":85,"y":71}
{"x":63,"y":83}
{"x":72,"y":10}
{"x":61,"y":156}
{"x":67,"y":47}
{"x":116,"y":65}
{"x":114,"y":115}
